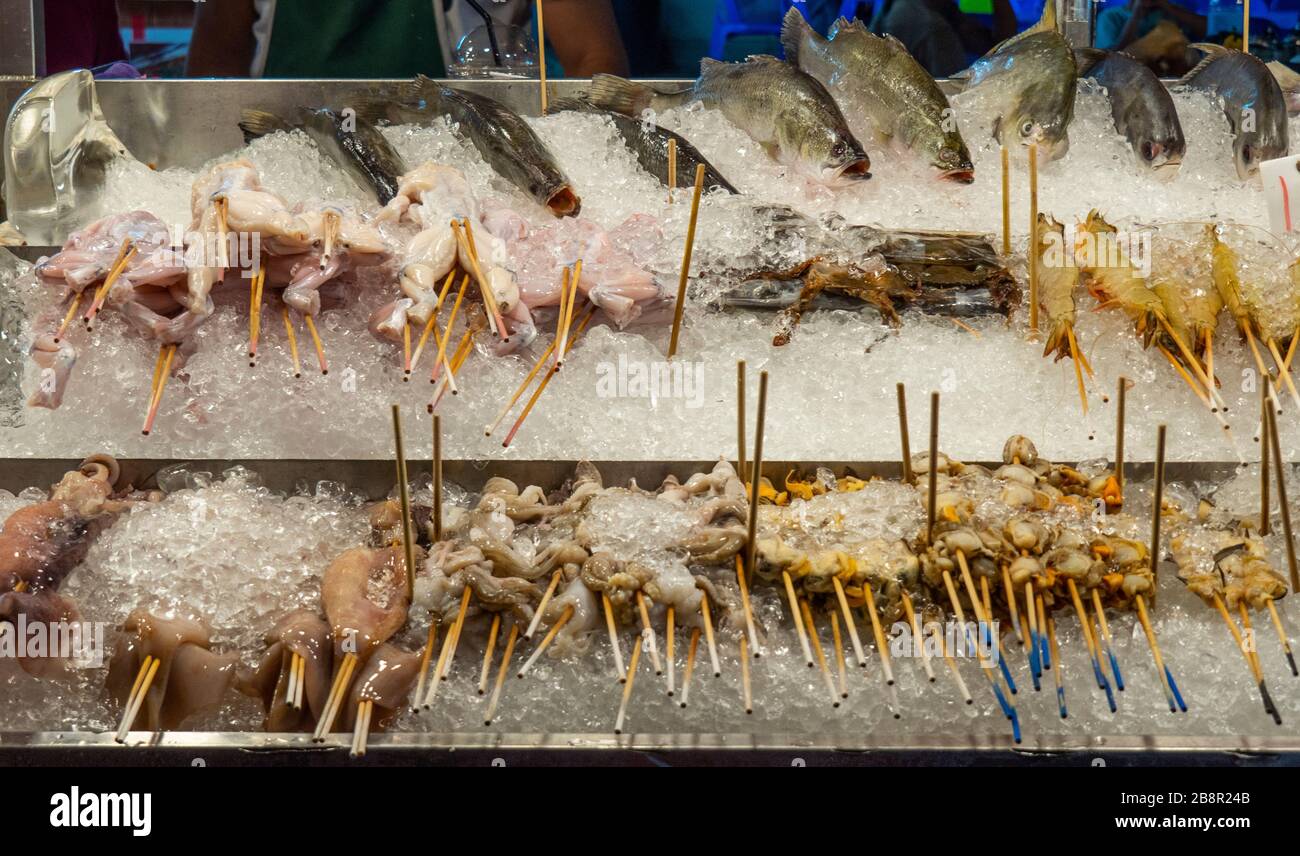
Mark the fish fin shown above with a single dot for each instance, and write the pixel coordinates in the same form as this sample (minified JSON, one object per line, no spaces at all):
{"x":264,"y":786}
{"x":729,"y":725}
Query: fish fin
{"x":259,"y":123}
{"x":842,"y":24}
{"x":1211,"y":51}
{"x":1047,"y":21}
{"x":1087,"y":58}
{"x":610,"y":92}
{"x":371,"y":109}
{"x":794,"y":29}
{"x":576,"y":104}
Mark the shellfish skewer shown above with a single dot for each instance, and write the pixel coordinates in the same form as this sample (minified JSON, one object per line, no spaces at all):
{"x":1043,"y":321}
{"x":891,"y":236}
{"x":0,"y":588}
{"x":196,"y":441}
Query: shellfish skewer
{"x":849,"y":623}
{"x":837,"y":641}
{"x":916,"y":632}
{"x":1172,"y":695}
{"x":821,"y":655}
{"x":1085,"y":624}
{"x":984,"y":619}
{"x":1007,"y":708}
{"x":797,"y":618}
{"x":1060,"y":679}
{"x":1106,"y":640}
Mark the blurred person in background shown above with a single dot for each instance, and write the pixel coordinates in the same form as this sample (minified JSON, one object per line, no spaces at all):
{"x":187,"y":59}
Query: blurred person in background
{"x":382,"y":38}
{"x":944,"y":39}
{"x":1157,"y":32}
{"x":81,"y":34}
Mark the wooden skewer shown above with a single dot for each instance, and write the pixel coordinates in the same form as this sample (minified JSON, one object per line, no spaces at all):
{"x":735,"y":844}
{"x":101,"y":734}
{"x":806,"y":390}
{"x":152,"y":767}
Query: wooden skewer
{"x":821,"y":656}
{"x":563,"y":350}
{"x":339,"y":689}
{"x":436,"y":466}
{"x":740,"y":419}
{"x":707,"y":615}
{"x":457,"y":360}
{"x":537,"y":367}
{"x":1086,"y":624}
{"x":546,"y":379}
{"x":361,"y":728}
{"x":908,"y":476}
{"x":488,"y":652}
{"x":1209,"y":354}
{"x":1194,"y":364}
{"x":425,"y":657}
{"x":160,"y":385}
{"x":541,"y":53}
{"x":441,"y":362}
{"x":565,"y":273}
{"x":222,"y":210}
{"x":465,"y":239}
{"x":1166,"y":677}
{"x":1007,"y":708}
{"x":1035,"y":650}
{"x":672,"y":168}
{"x":627,"y":688}
{"x":837,"y":642}
{"x":1265,"y":506}
{"x":690,"y":665}
{"x":134,"y":699}
{"x":1057,"y":672}
{"x":984,"y":619}
{"x":1187,"y":379}
{"x":744,"y":675}
{"x":934,"y":468}
{"x":686,"y":262}
{"x":1248,"y":633}
{"x":301,"y":683}
{"x":1280,"y":472}
{"x":797,"y":617}
{"x":547,"y":639}
{"x":456,"y":629}
{"x":849,"y":623}
{"x":669,"y":640}
{"x":316,"y":343}
{"x":879,"y":633}
{"x":1012,"y":603}
{"x":1033,"y":237}
{"x":406,"y":351}
{"x":1158,"y":501}
{"x":293,"y":341}
{"x":750,"y":630}
{"x":431,"y":325}
{"x":1043,"y":643}
{"x":1269,"y":708}
{"x":1121,"y":394}
{"x":755,"y":479}
{"x":440,"y":666}
{"x":613,"y":636}
{"x":1107,"y":642}
{"x":1259,"y":364}
{"x":988,"y":600}
{"x":1282,"y":637}
{"x":255,"y":314}
{"x":330,"y":222}
{"x":67,"y":319}
{"x":292,"y":692}
{"x":1078,"y":368}
{"x":541,"y":607}
{"x":912,"y":621}
{"x":648,"y":633}
{"x":124,"y":254}
{"x":1006,"y":202}
{"x":404,"y":500}
{"x":501,"y":674}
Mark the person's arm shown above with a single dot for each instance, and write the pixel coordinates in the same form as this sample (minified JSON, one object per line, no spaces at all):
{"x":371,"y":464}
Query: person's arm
{"x":1137,"y":11}
{"x":585,"y":37}
{"x":222,"y":43}
{"x":1186,"y":19}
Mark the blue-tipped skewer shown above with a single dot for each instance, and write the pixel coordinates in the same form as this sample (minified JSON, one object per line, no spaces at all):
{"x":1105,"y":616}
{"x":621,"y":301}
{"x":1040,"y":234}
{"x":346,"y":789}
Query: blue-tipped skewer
{"x":1033,"y":659}
{"x":1173,"y":686}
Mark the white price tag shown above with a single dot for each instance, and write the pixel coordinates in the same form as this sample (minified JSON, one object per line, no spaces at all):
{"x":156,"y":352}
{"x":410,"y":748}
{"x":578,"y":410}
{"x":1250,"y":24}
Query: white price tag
{"x":1281,"y":179}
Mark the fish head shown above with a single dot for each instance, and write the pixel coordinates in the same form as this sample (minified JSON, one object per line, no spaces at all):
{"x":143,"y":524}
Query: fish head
{"x":564,"y":202}
{"x":1249,"y":150}
{"x":1163,"y":158}
{"x":837,"y":158}
{"x":953,"y":162}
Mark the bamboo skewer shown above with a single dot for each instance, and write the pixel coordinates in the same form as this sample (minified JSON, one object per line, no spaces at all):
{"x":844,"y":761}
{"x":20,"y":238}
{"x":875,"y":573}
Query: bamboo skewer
{"x":1012,"y":604}
{"x":541,"y":54}
{"x":912,"y":621}
{"x":933,"y":467}
{"x":1060,"y":679}
{"x":316,"y":343}
{"x":1121,"y":395}
{"x":1043,"y":644}
{"x":301,"y":684}
{"x":547,"y":640}
{"x":1006,"y":203}
{"x":124,"y":254}
{"x":1269,"y":708}
{"x":1172,"y":695}
{"x":361,"y":728}
{"x":431,"y":326}
{"x":984,"y":619}
{"x":1157,"y":506}
{"x":797,"y":618}
{"x":672,"y":168}
{"x":404,"y":498}
{"x":955,"y":672}
{"x":255,"y":314}
{"x":406,"y":351}
{"x":293,"y":341}
{"x":465,"y":238}
{"x":1282,"y":637}
{"x":488,"y":652}
{"x":1007,"y":709}
{"x":1033,"y":238}
{"x":613,"y":636}
{"x":838,"y":643}
{"x":740,"y":419}
{"x":750,"y":630}
{"x":755,"y":479}
{"x":425,"y":657}
{"x":445,"y":654}
{"x":1284,"y":503}
{"x":1248,"y":632}
{"x":686,"y":263}
{"x":670,"y":636}
{"x":627,"y":688}
{"x":1031,"y":613}
{"x":908,"y":476}
{"x":436,"y":466}
{"x":135,"y":699}
{"x":744,"y":675}
{"x":527,"y":381}
{"x":457,"y":360}
{"x":1107,"y":642}
{"x":501,"y":674}
{"x":1265,"y":506}
{"x":560,"y":313}
{"x":1259,"y":364}
{"x":67,"y":318}
{"x":849,"y":622}
{"x":707,"y":615}
{"x":878,"y":632}
{"x":338,"y":690}
{"x":291,"y":684}
{"x":690,"y":665}
{"x":648,"y":633}
{"x":160,"y":384}
{"x":457,"y":628}
{"x":563,"y":350}
{"x":821,"y":655}
{"x":546,"y":379}
{"x":1086,"y":625}
{"x":441,"y":362}
{"x":541,"y":607}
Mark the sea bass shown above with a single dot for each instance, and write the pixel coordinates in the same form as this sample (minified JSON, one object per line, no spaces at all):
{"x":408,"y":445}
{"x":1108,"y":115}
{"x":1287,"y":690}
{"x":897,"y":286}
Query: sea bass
{"x":1252,"y":101}
{"x":876,"y":76}
{"x":1033,"y":78}
{"x":507,"y":142}
{"x":783,"y":109}
{"x":1142,"y":108}
{"x":352,"y":142}
{"x":649,"y":144}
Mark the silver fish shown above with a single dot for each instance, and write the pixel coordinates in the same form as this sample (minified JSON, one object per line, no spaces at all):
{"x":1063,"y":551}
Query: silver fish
{"x":1252,"y":101}
{"x":1033,"y":78}
{"x":1142,"y":108}
{"x":783,"y":109}
{"x":876,"y":76}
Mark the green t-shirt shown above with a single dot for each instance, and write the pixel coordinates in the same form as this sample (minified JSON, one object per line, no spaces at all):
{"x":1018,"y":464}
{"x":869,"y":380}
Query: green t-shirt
{"x":353,"y":38}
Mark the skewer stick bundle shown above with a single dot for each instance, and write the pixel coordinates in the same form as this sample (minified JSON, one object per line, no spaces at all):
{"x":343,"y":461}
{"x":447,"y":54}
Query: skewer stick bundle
{"x":541,"y":607}
{"x":811,"y":625}
{"x":849,"y":622}
{"x":563,"y":349}
{"x":686,"y":262}
{"x":547,"y":640}
{"x":755,"y":477}
{"x":361,"y":728}
{"x":316,"y":343}
{"x":908,"y":476}
{"x":338,"y":691}
{"x":139,"y":691}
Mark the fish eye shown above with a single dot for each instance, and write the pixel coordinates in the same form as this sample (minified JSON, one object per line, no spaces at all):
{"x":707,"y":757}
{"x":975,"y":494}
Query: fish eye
{"x":1026,"y":128}
{"x":840,"y":149}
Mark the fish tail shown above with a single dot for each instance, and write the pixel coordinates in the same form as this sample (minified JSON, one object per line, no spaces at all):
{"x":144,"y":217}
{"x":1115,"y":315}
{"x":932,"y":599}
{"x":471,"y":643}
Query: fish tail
{"x":620,"y":95}
{"x":259,"y":123}
{"x":794,"y":32}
